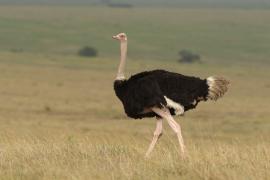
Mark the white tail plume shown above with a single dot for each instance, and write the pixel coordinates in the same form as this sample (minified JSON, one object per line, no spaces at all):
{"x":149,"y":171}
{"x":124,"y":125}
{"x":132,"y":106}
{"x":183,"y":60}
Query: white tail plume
{"x":218,"y":86}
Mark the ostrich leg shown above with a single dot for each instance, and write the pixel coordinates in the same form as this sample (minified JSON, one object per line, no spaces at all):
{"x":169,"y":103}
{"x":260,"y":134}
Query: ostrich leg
{"x":157,"y":135}
{"x":165,"y":113}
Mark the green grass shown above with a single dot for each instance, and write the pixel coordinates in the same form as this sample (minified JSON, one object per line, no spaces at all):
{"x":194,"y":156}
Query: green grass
{"x":60,"y":118}
{"x":154,"y":33}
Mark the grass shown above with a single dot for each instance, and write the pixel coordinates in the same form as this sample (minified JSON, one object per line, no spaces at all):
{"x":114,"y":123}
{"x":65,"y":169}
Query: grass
{"x":79,"y":158}
{"x":60,"y":118}
{"x":155,"y":33}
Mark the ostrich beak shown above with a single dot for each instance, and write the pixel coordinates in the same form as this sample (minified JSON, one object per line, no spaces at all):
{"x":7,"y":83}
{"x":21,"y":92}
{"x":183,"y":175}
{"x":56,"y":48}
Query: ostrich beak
{"x":114,"y":37}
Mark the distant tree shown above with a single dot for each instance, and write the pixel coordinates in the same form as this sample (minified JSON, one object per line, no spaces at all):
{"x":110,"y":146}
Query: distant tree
{"x":187,"y":56}
{"x":16,"y":50}
{"x":88,"y":52}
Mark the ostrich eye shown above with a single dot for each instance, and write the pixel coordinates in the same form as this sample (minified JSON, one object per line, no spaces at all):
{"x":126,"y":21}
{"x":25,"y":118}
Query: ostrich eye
{"x":122,"y":36}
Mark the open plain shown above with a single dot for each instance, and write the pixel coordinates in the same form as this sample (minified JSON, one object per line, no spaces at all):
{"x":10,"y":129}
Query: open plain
{"x":60,"y":119}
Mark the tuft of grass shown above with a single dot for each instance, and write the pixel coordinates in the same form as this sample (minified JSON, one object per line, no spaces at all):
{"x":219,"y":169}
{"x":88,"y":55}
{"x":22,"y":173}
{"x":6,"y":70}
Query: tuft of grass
{"x":80,"y":158}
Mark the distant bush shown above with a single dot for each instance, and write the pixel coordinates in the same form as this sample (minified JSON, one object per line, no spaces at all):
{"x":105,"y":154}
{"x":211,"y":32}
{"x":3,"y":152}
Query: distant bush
{"x":187,"y":56}
{"x":88,"y":52}
{"x":16,"y":50}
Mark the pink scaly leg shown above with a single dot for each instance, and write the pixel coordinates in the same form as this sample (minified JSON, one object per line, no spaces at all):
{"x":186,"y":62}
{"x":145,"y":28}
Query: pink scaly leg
{"x":165,"y":113}
{"x":157,"y":135}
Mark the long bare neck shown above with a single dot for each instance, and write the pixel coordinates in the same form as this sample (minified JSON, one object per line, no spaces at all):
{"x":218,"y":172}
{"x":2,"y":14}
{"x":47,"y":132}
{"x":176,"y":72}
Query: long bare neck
{"x":121,"y":67}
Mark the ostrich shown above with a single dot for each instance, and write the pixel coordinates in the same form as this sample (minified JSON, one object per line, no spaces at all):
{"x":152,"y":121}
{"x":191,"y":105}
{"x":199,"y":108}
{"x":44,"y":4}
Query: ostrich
{"x":162,"y":94}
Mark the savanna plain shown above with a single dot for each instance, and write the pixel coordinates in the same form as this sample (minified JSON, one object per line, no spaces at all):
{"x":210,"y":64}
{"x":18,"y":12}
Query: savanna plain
{"x":60,"y":119}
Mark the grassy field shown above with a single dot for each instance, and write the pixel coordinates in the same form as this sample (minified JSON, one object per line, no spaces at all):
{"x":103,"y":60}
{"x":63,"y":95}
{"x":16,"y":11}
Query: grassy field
{"x":221,"y":35}
{"x":60,"y":118}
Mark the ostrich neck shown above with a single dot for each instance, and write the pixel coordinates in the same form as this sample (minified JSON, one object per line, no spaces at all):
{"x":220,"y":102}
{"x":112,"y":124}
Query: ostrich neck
{"x":121,"y":68}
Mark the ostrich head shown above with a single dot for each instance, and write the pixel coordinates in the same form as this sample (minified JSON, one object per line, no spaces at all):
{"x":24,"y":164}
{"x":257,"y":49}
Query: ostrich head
{"x":121,"y":37}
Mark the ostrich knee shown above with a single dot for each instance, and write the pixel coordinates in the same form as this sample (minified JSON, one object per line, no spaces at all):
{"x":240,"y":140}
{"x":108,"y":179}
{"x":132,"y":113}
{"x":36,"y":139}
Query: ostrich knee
{"x":158,"y":133}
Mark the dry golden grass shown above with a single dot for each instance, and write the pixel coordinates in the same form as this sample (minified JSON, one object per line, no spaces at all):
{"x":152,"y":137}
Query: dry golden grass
{"x":60,"y":119}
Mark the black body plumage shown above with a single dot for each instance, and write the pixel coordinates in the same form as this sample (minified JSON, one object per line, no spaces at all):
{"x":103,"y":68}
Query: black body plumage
{"x":147,"y":89}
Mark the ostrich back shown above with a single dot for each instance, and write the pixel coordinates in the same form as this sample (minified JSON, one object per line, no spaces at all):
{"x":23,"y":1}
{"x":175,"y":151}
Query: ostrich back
{"x":147,"y":89}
